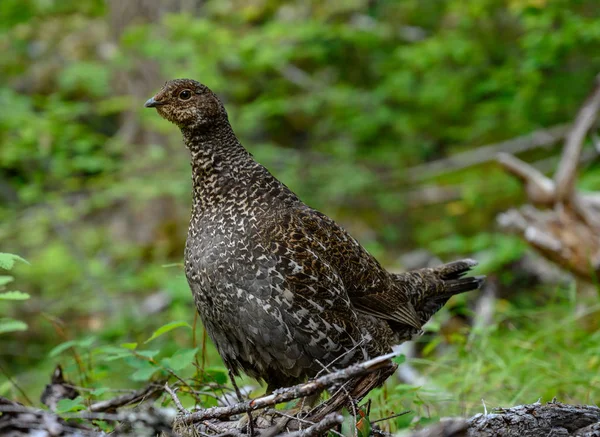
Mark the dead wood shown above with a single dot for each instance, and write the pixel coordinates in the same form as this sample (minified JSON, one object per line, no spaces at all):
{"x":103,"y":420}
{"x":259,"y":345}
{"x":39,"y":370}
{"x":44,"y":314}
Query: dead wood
{"x":566,"y":227}
{"x":551,"y":419}
{"x":17,"y":420}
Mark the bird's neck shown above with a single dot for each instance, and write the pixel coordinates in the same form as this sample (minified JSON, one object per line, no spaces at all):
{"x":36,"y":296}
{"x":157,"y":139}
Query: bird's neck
{"x":222,"y":170}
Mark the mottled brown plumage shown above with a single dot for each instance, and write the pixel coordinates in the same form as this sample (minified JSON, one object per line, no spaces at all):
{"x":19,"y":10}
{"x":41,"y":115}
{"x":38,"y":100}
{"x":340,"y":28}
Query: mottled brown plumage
{"x":281,"y":288}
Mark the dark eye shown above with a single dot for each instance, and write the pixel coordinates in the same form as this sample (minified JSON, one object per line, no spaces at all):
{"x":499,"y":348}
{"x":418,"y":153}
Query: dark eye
{"x":185,"y":95}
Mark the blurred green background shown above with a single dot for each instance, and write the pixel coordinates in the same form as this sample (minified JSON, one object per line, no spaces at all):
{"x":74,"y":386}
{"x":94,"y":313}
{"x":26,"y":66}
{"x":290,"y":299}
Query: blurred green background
{"x":346,"y":102}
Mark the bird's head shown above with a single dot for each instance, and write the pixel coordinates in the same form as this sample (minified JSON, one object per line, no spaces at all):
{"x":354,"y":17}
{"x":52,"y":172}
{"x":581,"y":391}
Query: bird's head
{"x":188,"y":104}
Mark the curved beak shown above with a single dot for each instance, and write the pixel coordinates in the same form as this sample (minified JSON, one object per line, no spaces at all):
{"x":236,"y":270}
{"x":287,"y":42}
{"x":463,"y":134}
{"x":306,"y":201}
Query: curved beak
{"x":152,"y":103}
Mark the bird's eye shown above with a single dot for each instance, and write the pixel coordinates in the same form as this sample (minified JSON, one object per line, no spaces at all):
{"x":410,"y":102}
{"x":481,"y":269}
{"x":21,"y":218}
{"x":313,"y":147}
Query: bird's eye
{"x":185,"y":95}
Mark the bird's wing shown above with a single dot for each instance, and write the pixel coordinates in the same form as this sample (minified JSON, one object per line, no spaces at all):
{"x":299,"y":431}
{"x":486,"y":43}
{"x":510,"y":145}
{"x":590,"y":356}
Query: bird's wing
{"x":372,"y":290}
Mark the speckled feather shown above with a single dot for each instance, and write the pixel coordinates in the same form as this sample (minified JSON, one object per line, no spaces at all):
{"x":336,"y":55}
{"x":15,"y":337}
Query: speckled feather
{"x":281,"y":288}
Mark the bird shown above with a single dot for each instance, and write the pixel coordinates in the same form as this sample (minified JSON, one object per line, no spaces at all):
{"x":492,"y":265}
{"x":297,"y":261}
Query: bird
{"x":283,"y":291}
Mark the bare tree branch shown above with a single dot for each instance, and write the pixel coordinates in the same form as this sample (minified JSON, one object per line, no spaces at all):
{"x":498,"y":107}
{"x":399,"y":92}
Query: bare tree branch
{"x":567,"y":169}
{"x":540,"y":189}
{"x":537,"y":139}
{"x":175,"y":399}
{"x":126,"y":399}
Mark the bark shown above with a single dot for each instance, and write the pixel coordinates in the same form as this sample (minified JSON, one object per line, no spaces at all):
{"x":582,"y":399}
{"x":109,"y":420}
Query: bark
{"x":551,"y":419}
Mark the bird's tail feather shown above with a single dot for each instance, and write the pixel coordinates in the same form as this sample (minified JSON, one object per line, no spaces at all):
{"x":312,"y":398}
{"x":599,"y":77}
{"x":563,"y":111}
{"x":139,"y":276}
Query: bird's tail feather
{"x":462,"y":285}
{"x":439,"y":282}
{"x":430,"y":288}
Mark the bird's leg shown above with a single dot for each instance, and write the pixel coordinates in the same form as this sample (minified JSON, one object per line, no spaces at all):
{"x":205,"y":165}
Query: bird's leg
{"x":353,"y":391}
{"x":235,"y":387}
{"x":238,"y":392}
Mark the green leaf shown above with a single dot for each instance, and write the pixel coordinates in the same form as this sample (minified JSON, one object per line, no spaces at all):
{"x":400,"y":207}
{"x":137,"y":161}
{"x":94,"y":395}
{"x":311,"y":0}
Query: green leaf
{"x":166,"y":328}
{"x":11,"y":325}
{"x":7,"y":260}
{"x":14,"y":295}
{"x":216,"y":374}
{"x":117,"y":355}
{"x":108,"y":350}
{"x":62,"y":347}
{"x":166,"y":266}
{"x":70,"y":405}
{"x":399,"y":359}
{"x":87,"y":342}
{"x":363,"y":424}
{"x":130,"y":346}
{"x":5,"y":280}
{"x":181,"y":359}
{"x":144,"y":374}
{"x":148,"y":353}
{"x":104,"y":426}
{"x":99,"y":391}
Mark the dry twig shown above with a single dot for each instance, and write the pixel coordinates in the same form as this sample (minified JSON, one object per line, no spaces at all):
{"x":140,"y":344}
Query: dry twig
{"x":175,"y":399}
{"x":318,"y":428}
{"x":126,"y":399}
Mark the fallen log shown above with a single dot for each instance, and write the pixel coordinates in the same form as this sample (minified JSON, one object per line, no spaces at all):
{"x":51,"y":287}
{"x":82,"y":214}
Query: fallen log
{"x":534,"y":420}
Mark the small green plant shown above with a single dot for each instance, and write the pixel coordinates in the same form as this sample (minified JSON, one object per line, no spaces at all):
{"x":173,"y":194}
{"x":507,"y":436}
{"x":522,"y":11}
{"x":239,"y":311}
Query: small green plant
{"x":7,"y":262}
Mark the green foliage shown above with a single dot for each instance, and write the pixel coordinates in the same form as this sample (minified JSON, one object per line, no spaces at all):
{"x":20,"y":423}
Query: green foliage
{"x":180,"y":359}
{"x":70,"y":405}
{"x":363,"y":424}
{"x":339,"y":100}
{"x":7,"y":262}
{"x":11,"y":325}
{"x":400,"y":359}
{"x":166,"y":328}
{"x":13,"y":295}
{"x":529,"y":352}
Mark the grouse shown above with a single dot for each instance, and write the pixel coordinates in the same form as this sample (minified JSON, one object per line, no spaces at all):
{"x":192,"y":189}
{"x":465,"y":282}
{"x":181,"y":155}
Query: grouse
{"x":284,"y":291}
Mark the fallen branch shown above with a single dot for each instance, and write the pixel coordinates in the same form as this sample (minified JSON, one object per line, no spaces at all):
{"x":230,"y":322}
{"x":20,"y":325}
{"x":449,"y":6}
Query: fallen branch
{"x":126,"y":399}
{"x":17,"y":419}
{"x":540,"y":189}
{"x":318,"y":428}
{"x":550,"y":419}
{"x":175,"y":399}
{"x":537,"y":139}
{"x":288,"y":394}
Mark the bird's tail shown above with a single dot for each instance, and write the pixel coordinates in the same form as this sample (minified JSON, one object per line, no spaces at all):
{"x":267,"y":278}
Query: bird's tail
{"x":442,"y":281}
{"x":452,"y":276}
{"x":430,"y":288}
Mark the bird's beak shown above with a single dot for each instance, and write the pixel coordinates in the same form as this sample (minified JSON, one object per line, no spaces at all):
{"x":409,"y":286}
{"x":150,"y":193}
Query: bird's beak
{"x":152,"y":103}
